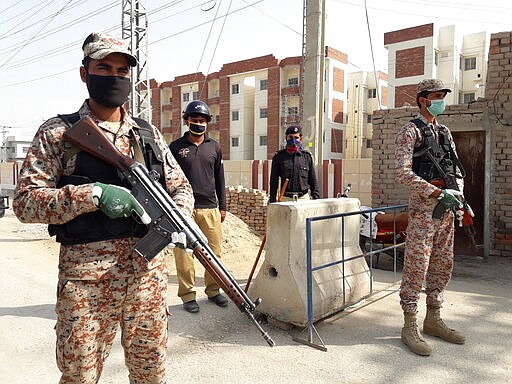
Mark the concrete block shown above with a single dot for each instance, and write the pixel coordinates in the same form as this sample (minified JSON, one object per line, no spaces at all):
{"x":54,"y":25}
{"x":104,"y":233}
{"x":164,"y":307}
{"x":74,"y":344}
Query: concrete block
{"x":281,"y":281}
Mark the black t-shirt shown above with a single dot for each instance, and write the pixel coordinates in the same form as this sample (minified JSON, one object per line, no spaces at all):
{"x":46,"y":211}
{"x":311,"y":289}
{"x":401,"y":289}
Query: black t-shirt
{"x":204,"y":169}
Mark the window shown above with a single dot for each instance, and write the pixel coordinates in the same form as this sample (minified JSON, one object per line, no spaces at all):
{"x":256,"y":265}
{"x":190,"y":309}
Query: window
{"x":372,"y":93}
{"x":235,"y":89}
{"x":369,"y":119}
{"x":263,"y":113}
{"x":186,"y":96}
{"x":469,"y":63}
{"x":368,"y":143}
{"x":263,"y":85}
{"x":195,"y":95}
{"x":293,"y":81}
{"x":293,"y":111}
{"x":235,"y":115}
{"x":468,"y":97}
{"x":234,"y":141}
{"x":217,"y":118}
{"x":263,"y":141}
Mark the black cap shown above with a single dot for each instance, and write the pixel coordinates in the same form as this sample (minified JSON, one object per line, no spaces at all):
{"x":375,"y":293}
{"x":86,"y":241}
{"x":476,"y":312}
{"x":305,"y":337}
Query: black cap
{"x":292,"y":129}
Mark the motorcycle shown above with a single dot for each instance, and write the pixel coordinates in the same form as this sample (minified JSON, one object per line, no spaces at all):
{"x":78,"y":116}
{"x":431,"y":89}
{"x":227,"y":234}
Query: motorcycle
{"x":381,"y":231}
{"x":384,"y":232}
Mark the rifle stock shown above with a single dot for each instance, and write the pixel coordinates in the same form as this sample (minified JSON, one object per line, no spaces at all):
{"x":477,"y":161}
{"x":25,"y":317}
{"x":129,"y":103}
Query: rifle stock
{"x":166,"y":217}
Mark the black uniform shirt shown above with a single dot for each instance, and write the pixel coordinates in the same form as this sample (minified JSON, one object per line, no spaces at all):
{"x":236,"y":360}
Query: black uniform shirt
{"x":202,"y":164}
{"x":298,"y":168}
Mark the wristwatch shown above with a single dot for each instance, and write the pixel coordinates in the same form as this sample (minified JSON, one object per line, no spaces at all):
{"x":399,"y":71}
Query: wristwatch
{"x":440,"y":196}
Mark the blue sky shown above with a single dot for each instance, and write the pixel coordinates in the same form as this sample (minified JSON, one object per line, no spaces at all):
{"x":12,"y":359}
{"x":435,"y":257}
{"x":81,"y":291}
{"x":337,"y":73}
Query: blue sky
{"x":40,"y":41}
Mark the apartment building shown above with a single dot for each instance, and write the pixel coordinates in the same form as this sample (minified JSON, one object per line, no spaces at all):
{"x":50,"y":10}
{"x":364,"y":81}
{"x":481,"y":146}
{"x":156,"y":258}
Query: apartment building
{"x":367,"y":92}
{"x":15,"y":148}
{"x":420,"y":52}
{"x":253,"y":101}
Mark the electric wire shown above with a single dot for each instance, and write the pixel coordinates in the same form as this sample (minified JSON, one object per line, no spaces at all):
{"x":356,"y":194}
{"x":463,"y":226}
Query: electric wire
{"x":373,"y":57}
{"x":35,"y":34}
{"x":4,"y":36}
{"x":10,"y":6}
{"x":42,"y":6}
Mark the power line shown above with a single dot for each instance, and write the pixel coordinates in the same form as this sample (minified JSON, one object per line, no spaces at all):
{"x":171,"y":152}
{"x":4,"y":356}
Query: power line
{"x":4,"y":36}
{"x":42,"y":6}
{"x":60,"y":28}
{"x":10,"y":6}
{"x":34,"y":35}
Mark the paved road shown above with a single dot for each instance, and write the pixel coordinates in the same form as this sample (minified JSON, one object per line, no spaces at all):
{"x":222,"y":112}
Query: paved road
{"x":220,"y":345}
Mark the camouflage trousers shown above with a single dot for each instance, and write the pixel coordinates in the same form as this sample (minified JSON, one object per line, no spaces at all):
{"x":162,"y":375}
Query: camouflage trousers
{"x":428,"y":258}
{"x":89,"y":313}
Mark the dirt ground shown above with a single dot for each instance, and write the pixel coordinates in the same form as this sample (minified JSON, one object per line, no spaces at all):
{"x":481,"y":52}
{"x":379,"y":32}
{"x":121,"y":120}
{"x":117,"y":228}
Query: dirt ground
{"x":221,"y":345}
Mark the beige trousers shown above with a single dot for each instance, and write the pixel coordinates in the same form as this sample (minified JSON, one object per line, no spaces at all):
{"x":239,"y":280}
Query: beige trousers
{"x":209,"y":221}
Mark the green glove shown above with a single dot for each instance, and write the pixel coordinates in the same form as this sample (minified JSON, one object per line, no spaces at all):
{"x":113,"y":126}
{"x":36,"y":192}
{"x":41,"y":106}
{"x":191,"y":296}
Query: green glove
{"x":448,"y":199}
{"x":117,"y":202}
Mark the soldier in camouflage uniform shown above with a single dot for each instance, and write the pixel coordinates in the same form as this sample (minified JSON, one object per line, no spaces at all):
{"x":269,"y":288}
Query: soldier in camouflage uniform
{"x":429,"y":245}
{"x":103,"y":283}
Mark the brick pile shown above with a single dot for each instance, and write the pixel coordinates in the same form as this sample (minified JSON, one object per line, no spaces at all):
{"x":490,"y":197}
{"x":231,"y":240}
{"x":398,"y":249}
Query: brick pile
{"x":249,"y":205}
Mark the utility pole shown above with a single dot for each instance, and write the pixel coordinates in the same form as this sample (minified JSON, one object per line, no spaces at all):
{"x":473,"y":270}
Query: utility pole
{"x":4,"y":144}
{"x":313,"y":95}
{"x":134,"y":26}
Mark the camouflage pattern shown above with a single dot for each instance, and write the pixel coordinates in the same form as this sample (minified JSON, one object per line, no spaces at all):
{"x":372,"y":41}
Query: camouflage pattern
{"x":99,"y":281}
{"x":209,"y":221}
{"x":429,"y":246}
{"x":431,"y":85}
{"x":97,"y":46}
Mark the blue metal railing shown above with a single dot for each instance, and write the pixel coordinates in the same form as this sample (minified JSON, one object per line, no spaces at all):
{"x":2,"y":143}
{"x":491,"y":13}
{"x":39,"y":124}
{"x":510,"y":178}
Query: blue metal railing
{"x":310,"y":269}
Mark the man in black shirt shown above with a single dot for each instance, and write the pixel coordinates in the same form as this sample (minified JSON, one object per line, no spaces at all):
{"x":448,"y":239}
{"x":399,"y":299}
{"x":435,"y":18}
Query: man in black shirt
{"x":296,"y":165}
{"x":200,"y":157}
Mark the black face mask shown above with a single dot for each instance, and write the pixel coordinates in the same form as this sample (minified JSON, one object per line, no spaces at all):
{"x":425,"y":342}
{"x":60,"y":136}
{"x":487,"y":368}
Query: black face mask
{"x":109,"y":91}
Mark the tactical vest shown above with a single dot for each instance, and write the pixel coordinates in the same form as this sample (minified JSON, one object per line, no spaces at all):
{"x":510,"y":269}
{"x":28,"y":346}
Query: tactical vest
{"x":96,"y":226}
{"x":442,"y":152}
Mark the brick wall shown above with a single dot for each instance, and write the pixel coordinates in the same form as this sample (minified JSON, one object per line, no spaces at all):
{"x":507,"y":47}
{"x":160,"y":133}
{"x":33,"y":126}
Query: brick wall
{"x":410,"y":62}
{"x":250,"y":205}
{"x":338,"y":80}
{"x":413,"y":33}
{"x":405,"y":95}
{"x":499,"y":96}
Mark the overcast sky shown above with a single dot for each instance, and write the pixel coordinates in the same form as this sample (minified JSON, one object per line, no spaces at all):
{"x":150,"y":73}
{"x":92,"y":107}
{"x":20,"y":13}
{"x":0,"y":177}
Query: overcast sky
{"x":40,"y":41}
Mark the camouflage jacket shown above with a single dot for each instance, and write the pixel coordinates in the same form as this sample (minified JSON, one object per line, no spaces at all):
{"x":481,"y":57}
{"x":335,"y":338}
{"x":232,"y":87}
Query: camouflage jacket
{"x":38,"y":200}
{"x":407,"y":139}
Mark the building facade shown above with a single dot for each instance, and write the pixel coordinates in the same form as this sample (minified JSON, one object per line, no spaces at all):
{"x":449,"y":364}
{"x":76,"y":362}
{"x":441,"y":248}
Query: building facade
{"x":367,"y":92}
{"x":253,"y":101}
{"x":421,"y":52}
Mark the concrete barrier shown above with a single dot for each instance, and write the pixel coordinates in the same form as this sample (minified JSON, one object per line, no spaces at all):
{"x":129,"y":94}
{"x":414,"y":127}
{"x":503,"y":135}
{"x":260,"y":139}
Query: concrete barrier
{"x":281,"y":280}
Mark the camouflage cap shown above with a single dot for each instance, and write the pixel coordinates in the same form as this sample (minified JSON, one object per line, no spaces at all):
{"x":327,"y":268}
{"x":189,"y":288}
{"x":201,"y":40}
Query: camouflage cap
{"x":97,"y":46}
{"x":432,"y":85}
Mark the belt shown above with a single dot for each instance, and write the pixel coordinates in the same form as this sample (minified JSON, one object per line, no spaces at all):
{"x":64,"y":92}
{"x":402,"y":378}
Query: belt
{"x":298,"y":194}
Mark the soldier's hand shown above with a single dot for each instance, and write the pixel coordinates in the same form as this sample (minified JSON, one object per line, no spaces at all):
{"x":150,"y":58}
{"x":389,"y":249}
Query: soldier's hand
{"x":117,"y":202}
{"x":449,"y":200}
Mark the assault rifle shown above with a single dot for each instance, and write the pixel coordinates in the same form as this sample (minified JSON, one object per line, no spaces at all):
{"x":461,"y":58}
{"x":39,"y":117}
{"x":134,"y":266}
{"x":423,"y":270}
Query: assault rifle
{"x":166,"y":218}
{"x":466,"y":219}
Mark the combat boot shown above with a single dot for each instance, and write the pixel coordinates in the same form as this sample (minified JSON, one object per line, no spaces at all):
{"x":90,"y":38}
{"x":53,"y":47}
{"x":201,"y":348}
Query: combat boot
{"x":433,"y":325}
{"x":412,"y":337}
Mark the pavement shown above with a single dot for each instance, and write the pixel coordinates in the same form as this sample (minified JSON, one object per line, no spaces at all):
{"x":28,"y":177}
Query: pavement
{"x":221,"y":345}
